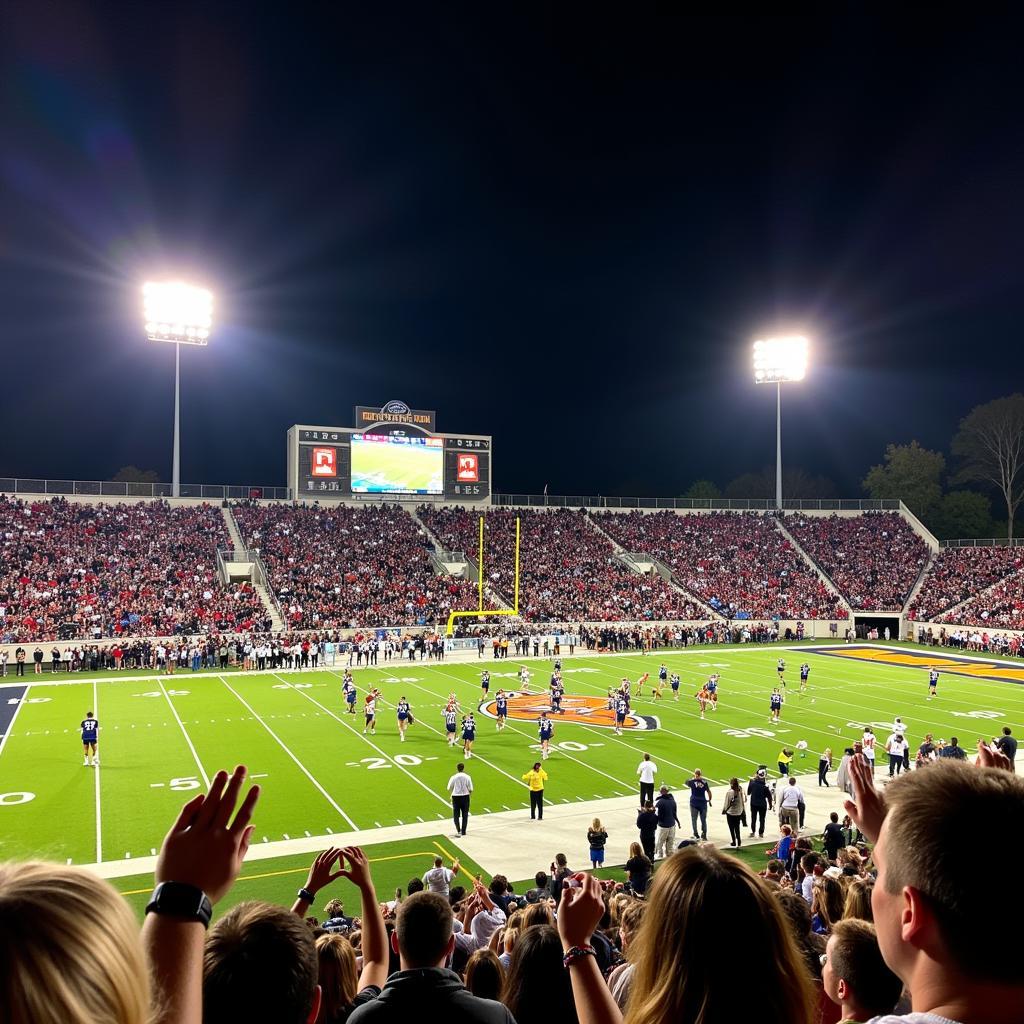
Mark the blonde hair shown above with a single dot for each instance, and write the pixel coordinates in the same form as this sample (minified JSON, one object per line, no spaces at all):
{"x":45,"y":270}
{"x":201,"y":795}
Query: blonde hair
{"x":535,"y":914}
{"x":509,"y":938}
{"x":70,"y":948}
{"x":858,"y":900}
{"x":338,"y":979}
{"x":827,"y":901}
{"x":595,"y":825}
{"x":697,"y":898}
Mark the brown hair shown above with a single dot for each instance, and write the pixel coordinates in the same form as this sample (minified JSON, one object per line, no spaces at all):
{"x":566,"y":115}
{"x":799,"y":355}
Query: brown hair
{"x":339,"y":980}
{"x":987,"y":803}
{"x":856,"y":958}
{"x":537,"y":986}
{"x":698,"y":897}
{"x":260,"y":963}
{"x":536,"y":914}
{"x":827,"y":901}
{"x":70,"y":949}
{"x":484,"y":974}
{"x":423,"y":927}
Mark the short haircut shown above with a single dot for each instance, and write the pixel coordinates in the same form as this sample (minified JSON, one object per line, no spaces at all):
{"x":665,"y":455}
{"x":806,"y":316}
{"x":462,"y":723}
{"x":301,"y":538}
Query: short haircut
{"x":260,"y":963}
{"x":776,"y":866}
{"x":415,"y":885}
{"x":423,"y":927}
{"x":856,"y":958}
{"x":986,"y":803}
{"x":438,"y":862}
{"x":541,"y":878}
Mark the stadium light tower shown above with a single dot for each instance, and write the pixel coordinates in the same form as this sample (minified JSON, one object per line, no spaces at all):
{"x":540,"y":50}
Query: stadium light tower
{"x":181,"y":314}
{"x":777,"y":360}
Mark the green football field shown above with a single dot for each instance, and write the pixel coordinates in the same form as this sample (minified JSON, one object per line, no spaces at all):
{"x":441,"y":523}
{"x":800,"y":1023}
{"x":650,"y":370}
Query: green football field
{"x":162,"y":738}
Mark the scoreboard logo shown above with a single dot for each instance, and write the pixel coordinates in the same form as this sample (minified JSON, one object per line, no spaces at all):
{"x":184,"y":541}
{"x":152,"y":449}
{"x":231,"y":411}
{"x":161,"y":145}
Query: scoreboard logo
{"x":325,"y":462}
{"x":469,"y":469}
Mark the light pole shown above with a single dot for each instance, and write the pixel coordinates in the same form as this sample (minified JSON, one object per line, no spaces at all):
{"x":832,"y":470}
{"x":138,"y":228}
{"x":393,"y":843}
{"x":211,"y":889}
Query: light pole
{"x":777,"y":360}
{"x":181,"y":314}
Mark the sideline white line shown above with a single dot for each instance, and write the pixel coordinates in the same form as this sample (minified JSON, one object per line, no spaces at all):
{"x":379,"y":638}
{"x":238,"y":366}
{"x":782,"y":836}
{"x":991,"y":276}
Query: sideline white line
{"x":14,"y":717}
{"x":96,"y":766}
{"x":327,"y":796}
{"x":188,"y":739}
{"x":391,"y":760}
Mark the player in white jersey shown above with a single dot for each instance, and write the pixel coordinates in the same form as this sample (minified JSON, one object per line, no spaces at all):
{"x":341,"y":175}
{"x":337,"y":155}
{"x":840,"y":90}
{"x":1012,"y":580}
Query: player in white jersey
{"x":524,"y":679}
{"x":868,"y":742}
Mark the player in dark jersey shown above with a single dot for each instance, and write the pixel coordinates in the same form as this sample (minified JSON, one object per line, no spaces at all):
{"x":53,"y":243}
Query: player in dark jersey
{"x":451,"y":722}
{"x":805,"y":671}
{"x":404,"y":716}
{"x":90,"y":732}
{"x":546,"y":730}
{"x":775,"y":703}
{"x":933,"y":682}
{"x":558,"y":664}
{"x":712,"y":687}
{"x":468,"y":734}
{"x":674,"y":683}
{"x":485,"y":684}
{"x":662,"y":672}
{"x":501,"y":709}
{"x":348,"y":692}
{"x":621,"y":710}
{"x":557,"y":692}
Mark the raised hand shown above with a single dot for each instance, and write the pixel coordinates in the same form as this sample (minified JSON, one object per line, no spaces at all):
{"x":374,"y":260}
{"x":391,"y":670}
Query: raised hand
{"x":867,"y":809}
{"x":204,"y":847}
{"x":358,"y":870}
{"x":320,"y":874}
{"x":580,"y":910}
{"x":989,"y":758}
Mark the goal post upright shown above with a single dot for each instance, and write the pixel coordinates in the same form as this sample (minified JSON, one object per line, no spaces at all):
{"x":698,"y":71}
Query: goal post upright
{"x":481,"y":612}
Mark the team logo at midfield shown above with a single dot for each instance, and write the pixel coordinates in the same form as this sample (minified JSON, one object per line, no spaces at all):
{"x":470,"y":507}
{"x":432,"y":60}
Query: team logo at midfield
{"x":527,"y":707}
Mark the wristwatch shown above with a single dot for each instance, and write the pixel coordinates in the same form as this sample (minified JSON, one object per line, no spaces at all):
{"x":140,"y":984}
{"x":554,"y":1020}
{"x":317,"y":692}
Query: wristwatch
{"x":177,"y":899}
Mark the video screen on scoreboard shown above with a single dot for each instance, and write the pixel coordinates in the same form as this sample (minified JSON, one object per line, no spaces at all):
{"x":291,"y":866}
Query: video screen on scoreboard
{"x":386,"y":464}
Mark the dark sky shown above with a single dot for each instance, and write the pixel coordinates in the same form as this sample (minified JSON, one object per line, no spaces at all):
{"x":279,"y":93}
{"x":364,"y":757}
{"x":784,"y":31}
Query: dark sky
{"x":558,"y":229}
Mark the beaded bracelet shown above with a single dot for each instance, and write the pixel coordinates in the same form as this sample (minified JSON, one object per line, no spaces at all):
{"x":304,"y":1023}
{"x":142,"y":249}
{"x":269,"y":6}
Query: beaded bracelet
{"x":577,"y":953}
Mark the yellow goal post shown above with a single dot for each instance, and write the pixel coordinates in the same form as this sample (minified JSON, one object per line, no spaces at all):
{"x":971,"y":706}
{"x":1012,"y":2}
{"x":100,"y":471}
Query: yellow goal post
{"x":481,"y":612}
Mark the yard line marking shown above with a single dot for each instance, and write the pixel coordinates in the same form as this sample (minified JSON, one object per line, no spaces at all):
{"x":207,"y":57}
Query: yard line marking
{"x":476,"y":756}
{"x":14,"y":717}
{"x":305,"y":771}
{"x":341,"y":721}
{"x":99,"y":825}
{"x":188,"y":739}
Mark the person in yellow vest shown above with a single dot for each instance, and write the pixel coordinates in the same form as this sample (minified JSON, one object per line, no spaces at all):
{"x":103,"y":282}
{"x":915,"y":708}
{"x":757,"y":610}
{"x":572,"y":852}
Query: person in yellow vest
{"x":785,"y":756}
{"x":535,"y":779}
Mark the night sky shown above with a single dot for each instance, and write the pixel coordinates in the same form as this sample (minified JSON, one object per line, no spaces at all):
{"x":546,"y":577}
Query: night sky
{"x":560,"y":230}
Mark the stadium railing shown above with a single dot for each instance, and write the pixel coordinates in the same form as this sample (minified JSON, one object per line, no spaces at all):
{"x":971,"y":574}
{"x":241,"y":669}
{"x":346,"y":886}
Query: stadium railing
{"x":128,"y":489}
{"x":713,"y":504}
{"x":989,"y":542}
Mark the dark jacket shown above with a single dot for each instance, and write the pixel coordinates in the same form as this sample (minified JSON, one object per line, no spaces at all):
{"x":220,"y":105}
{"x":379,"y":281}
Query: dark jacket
{"x":759,"y":792}
{"x":665,"y":806}
{"x":429,"y":993}
{"x":647,"y":822}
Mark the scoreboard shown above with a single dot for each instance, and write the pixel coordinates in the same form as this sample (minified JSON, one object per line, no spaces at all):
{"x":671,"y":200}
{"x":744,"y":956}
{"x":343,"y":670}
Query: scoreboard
{"x":388,"y":461}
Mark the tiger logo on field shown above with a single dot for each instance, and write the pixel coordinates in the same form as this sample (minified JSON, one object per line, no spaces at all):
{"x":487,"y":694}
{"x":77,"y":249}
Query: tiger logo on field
{"x":528,"y":707}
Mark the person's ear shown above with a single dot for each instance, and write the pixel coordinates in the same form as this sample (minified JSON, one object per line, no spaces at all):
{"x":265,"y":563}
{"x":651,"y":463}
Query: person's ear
{"x":842,"y":990}
{"x":916,"y":917}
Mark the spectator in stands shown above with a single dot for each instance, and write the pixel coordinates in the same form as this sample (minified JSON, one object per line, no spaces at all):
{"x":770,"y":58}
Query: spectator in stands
{"x":621,"y":978}
{"x":424,"y":940}
{"x":928,"y":922}
{"x":638,"y":869}
{"x":70,"y":948}
{"x":701,"y":899}
{"x":537,"y":988}
{"x":827,"y":902}
{"x":958,"y":574}
{"x":855,"y":976}
{"x":858,"y":900}
{"x":484,"y":974}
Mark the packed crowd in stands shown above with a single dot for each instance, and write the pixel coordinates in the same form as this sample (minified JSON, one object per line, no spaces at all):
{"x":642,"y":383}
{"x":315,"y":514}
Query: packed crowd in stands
{"x":1000,"y":605}
{"x":569,"y":571}
{"x":958,"y":574}
{"x":871,"y":920}
{"x":965,"y":639}
{"x":339,"y":566}
{"x":873,"y":558}
{"x":737,"y":563}
{"x":92,"y":572}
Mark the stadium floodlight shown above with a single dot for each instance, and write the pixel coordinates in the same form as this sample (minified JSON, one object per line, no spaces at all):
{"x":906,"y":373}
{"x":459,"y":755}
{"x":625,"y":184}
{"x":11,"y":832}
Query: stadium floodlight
{"x":778,"y":360}
{"x":181,"y":314}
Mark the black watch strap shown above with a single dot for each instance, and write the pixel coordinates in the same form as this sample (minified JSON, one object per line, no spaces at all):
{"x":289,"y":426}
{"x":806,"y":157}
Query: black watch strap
{"x":178,"y":899}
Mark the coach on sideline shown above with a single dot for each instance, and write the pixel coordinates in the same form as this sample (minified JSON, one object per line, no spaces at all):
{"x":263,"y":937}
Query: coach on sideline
{"x":460,"y":785}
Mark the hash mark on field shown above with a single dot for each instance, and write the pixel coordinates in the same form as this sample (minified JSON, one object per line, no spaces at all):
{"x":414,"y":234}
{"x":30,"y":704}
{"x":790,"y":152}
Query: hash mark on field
{"x":127,"y":855}
{"x":418,"y":818}
{"x":152,"y":851}
{"x":400,"y":822}
{"x":307,"y":831}
{"x":265,"y":839}
{"x":377,"y":823}
{"x":506,"y":806}
{"x":262,"y":775}
{"x":287,"y":836}
{"x":155,"y":785}
{"x":330,"y":832}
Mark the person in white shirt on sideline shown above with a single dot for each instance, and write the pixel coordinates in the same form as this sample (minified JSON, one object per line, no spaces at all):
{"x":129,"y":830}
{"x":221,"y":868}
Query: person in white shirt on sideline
{"x":439,"y":878}
{"x":647,"y":769}
{"x":460,"y":785}
{"x":868,"y":743}
{"x":789,"y":805}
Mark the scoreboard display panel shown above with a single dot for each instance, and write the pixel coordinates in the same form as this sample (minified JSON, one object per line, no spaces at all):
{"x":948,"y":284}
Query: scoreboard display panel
{"x":391,"y":464}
